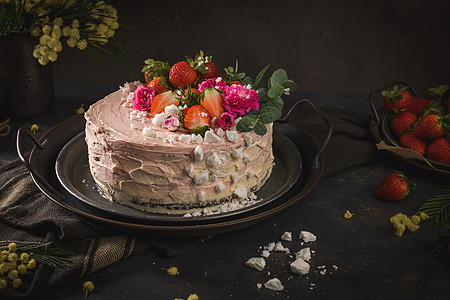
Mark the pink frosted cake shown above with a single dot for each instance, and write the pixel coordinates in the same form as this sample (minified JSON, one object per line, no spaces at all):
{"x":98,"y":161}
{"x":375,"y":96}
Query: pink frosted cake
{"x":181,"y":146}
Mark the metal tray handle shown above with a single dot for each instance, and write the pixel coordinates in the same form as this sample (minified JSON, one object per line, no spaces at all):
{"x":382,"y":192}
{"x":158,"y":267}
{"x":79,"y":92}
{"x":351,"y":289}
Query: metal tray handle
{"x":324,"y":118}
{"x":50,"y":191}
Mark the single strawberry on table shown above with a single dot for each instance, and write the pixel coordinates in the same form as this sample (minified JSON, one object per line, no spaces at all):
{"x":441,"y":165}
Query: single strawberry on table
{"x":162,"y":100}
{"x":395,"y":187}
{"x":403,"y":122}
{"x":396,"y":99}
{"x":439,"y":150}
{"x":212,"y":100}
{"x":182,"y":75}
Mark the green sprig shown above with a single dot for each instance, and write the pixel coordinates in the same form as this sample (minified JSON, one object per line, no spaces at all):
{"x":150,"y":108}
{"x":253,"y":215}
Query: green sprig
{"x":438,"y":208}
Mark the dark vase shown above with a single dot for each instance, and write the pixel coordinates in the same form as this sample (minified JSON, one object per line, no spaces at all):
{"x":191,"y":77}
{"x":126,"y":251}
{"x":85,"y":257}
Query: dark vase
{"x":26,"y":87}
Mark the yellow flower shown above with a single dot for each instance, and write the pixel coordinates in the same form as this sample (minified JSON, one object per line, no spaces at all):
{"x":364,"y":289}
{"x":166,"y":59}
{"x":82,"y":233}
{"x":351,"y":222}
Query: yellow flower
{"x":58,"y":21}
{"x":52,"y":43}
{"x":58,"y":47}
{"x":348,"y":215}
{"x":115,"y":25}
{"x":75,"y":24}
{"x":80,"y":110}
{"x":34,"y":128}
{"x":45,"y":39}
{"x":43,"y":60}
{"x":110,"y":33}
{"x":193,"y":297}
{"x":66,"y":31}
{"x":75,"y":33}
{"x":3,"y":284}
{"x":87,"y":287}
{"x":46,"y":29}
{"x":52,"y":56}
{"x":12,"y":247}
{"x":56,"y":33}
{"x":108,"y":21}
{"x":71,"y":42}
{"x":172,"y":271}
{"x":102,"y":28}
{"x":44,"y":50}
{"x":36,"y":31}
{"x":16,"y":283}
{"x":82,"y":44}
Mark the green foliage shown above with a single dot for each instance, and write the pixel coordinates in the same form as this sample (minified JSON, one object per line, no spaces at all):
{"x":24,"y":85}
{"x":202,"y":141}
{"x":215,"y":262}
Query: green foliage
{"x":200,"y":130}
{"x":271,"y":103}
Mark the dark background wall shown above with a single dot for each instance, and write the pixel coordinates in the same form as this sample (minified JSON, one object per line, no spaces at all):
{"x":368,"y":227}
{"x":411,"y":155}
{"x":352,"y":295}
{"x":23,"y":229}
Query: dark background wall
{"x":325,"y":46}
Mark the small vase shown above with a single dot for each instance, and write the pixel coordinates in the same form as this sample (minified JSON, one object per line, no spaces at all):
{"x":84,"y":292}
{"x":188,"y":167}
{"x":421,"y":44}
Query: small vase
{"x":26,"y":87}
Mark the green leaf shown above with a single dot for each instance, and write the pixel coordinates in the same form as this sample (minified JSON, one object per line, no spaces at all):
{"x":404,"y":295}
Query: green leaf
{"x":201,"y":130}
{"x":260,"y":76}
{"x":269,"y":114}
{"x":278,"y":77}
{"x":291,"y":85}
{"x":275,"y":91}
{"x":247,"y":80}
{"x":260,"y":128}
{"x":277,"y":102}
{"x":247,"y":123}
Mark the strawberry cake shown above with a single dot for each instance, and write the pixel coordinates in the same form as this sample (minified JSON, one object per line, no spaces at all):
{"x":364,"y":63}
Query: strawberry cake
{"x":185,"y":140}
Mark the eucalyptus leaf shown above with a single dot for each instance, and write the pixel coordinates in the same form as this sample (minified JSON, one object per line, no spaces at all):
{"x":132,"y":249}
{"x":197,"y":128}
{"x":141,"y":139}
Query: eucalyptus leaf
{"x":269,"y":114}
{"x":247,"y":80}
{"x":260,"y":75}
{"x":277,"y":102}
{"x":291,"y":85}
{"x":247,"y":123}
{"x":275,"y":91}
{"x":278,"y":77}
{"x":260,"y":128}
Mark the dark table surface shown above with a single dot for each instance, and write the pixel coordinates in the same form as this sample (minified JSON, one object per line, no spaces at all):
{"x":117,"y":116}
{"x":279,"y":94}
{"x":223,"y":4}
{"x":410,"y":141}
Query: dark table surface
{"x":362,"y":257}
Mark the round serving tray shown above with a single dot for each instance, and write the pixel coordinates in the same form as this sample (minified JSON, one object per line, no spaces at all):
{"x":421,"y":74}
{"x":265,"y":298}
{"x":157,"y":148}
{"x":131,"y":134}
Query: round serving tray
{"x":381,"y":131}
{"x":43,"y":156}
{"x":72,"y":170}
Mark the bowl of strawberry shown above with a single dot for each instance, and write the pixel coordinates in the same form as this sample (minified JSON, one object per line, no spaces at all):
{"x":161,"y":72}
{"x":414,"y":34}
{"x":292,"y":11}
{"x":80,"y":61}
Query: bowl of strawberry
{"x":408,"y":121}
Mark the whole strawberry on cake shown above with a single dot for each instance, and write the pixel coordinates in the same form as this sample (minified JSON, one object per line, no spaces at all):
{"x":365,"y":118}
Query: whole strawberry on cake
{"x":186,"y":139}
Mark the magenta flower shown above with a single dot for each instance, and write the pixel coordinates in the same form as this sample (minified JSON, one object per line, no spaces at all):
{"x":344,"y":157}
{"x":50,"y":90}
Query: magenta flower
{"x":226,"y":121}
{"x":213,"y":83}
{"x":239,"y":99}
{"x":143,"y":97}
{"x":172,"y":123}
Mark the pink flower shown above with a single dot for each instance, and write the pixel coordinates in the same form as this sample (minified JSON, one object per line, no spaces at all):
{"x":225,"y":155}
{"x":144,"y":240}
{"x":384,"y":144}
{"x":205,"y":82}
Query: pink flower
{"x":143,"y":97}
{"x":238,"y":99}
{"x":226,"y":121}
{"x":172,"y":123}
{"x":213,"y":83}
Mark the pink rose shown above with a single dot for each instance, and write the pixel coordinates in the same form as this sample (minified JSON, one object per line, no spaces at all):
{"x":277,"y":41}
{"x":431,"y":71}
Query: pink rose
{"x":239,"y":99}
{"x":172,"y":123}
{"x":213,"y":83}
{"x":143,"y":97}
{"x":226,"y":121}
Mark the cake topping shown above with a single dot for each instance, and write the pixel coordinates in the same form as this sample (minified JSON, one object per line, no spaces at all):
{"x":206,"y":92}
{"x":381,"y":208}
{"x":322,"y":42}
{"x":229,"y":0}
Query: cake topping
{"x":211,"y":137}
{"x":219,"y":187}
{"x":232,"y":101}
{"x":232,"y":136}
{"x":198,"y":153}
{"x":241,"y":192}
{"x":201,"y":177}
{"x":213,"y":160}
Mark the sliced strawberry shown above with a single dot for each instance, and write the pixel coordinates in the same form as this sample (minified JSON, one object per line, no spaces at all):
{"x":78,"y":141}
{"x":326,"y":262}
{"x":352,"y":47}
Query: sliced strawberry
{"x":182,"y":75}
{"x":196,"y":116}
{"x":213,"y":102}
{"x":162,"y":100}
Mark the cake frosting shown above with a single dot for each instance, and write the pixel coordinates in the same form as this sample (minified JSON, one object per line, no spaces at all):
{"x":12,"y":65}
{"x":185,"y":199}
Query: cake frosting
{"x":187,"y":139}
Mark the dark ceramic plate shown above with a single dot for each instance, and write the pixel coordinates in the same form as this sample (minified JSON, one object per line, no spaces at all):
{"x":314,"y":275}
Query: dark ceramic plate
{"x":72,"y":170}
{"x":41,"y":164}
